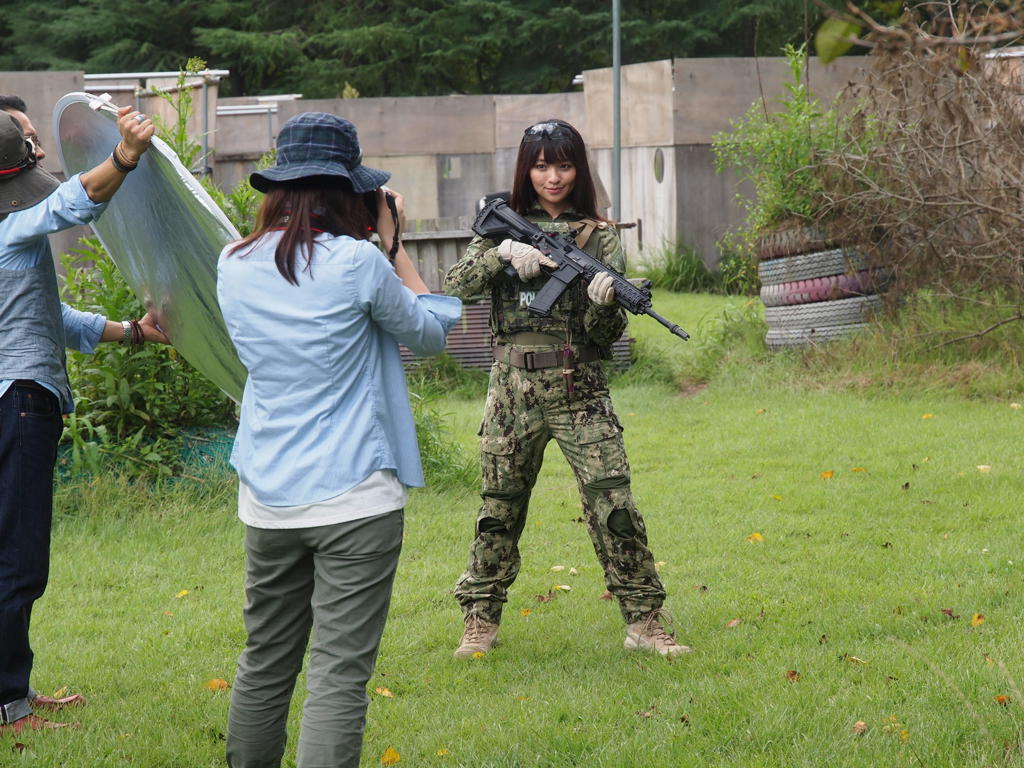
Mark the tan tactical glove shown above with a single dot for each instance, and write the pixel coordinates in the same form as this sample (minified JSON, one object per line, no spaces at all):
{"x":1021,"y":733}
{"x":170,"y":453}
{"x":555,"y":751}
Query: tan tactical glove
{"x":525,"y":259}
{"x":601,"y":289}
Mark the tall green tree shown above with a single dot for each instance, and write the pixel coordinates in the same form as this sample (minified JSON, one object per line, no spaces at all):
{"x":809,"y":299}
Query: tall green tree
{"x":391,"y":47}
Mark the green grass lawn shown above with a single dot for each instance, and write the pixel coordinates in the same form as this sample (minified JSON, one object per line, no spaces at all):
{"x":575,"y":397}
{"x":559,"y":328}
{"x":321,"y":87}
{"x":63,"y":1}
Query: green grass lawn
{"x":853,"y":605}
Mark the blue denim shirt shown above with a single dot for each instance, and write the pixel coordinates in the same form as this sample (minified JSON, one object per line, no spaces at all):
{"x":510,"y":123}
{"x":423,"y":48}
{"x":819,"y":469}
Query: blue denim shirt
{"x":23,"y":244}
{"x":325,"y":403}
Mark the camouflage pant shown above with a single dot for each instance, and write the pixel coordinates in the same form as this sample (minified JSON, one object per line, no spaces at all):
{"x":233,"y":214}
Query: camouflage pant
{"x":524,"y":410}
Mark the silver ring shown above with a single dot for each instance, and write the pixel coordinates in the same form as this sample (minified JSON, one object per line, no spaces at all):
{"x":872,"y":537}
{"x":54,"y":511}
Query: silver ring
{"x":141,"y":118}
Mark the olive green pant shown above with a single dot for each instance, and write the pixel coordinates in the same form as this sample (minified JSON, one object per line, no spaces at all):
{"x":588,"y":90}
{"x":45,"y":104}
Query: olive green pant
{"x":335,"y":580}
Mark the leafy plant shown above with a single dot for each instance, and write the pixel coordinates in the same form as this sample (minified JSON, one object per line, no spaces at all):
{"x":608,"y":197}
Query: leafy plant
{"x":679,"y":268}
{"x":176,"y":133}
{"x":445,"y":465}
{"x":776,"y":152}
{"x":738,"y":273}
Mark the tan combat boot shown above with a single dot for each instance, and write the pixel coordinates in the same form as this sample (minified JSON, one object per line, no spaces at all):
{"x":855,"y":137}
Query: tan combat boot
{"x":480,"y":636}
{"x":647,"y":634}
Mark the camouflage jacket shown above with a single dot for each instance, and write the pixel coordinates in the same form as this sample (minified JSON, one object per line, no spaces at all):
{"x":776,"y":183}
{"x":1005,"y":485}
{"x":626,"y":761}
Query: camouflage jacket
{"x":479,"y":274}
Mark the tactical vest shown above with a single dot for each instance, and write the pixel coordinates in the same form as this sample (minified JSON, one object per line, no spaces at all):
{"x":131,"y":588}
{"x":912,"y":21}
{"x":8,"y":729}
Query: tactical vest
{"x":510,"y":298}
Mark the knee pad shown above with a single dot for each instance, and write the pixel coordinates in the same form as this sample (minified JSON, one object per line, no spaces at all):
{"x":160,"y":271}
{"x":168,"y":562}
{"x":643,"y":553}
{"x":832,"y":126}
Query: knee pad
{"x":620,"y":523}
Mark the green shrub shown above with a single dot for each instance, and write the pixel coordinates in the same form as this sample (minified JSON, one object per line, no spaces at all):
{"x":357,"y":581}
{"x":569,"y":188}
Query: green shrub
{"x":737,"y":274}
{"x":443,"y":375}
{"x":445,"y":464}
{"x":679,"y":268}
{"x":776,"y":152}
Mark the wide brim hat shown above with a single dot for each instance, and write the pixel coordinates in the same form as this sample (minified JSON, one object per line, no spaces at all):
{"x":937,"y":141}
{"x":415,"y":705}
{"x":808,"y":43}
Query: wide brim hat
{"x":321,"y":146}
{"x":22,"y":184}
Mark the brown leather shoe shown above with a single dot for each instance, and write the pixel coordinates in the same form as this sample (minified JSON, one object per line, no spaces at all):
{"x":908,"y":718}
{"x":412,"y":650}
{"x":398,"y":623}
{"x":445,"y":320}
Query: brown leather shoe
{"x":34,"y":723}
{"x":53,"y":705}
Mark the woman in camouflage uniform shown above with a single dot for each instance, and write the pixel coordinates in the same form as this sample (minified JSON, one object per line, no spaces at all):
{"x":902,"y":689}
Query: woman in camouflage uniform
{"x":547,"y":382}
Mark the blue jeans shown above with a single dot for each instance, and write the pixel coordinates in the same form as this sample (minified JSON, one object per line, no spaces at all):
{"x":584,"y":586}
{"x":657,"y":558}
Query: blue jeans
{"x":30,"y":426}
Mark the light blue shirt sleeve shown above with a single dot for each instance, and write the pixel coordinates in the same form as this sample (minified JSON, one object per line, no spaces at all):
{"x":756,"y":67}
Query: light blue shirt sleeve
{"x":82,"y":330}
{"x":419,"y":321}
{"x":22,"y":232}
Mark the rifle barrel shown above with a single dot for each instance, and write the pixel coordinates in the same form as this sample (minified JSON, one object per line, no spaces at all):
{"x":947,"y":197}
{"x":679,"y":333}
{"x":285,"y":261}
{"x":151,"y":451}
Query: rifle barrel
{"x":669,"y":324}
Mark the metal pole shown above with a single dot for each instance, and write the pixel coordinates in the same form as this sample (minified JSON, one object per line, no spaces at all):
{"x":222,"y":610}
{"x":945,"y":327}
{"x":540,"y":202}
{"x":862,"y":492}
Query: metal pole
{"x":206,"y":126}
{"x":616,"y":111}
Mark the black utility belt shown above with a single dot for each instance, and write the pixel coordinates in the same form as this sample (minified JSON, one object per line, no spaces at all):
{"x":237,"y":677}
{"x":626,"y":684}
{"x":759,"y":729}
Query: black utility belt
{"x":535,"y":361}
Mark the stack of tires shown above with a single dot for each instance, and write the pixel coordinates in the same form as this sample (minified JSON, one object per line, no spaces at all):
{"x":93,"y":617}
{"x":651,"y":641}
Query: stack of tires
{"x":812,"y":289}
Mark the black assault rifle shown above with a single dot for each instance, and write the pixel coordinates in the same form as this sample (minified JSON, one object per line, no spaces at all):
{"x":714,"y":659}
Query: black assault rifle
{"x":497,"y":221}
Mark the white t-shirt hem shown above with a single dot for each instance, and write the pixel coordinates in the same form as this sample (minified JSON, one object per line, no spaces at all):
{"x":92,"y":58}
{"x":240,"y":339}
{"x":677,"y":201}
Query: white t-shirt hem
{"x":378,"y":494}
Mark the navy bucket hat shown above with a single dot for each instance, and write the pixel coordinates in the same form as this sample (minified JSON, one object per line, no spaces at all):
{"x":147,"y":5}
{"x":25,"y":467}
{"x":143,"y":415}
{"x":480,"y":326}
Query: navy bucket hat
{"x":319,"y":144}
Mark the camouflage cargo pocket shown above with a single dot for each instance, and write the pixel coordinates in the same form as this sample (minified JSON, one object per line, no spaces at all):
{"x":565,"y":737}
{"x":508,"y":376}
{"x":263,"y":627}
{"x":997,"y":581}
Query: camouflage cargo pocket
{"x":498,"y":463}
{"x":601,"y":452}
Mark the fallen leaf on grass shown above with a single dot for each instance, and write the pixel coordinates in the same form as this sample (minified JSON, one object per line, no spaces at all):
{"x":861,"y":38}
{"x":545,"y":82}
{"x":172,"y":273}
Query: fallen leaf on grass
{"x":606,"y":595}
{"x":949,"y":612}
{"x":860,"y":728}
{"x":823,"y":639}
{"x":701,"y":587}
{"x":828,"y":474}
{"x":928,"y":416}
{"x":759,"y":411}
{"x":217,"y":684}
{"x":544,"y":598}
{"x":984,"y":467}
{"x":734,"y":623}
{"x":557,"y":568}
{"x":442,"y":752}
{"x":573,"y":572}
{"x":1002,"y":700}
{"x":525,"y":611}
{"x":904,"y":736}
{"x":182,"y":593}
{"x":755,"y":537}
{"x":1015,"y":406}
{"x":858,"y":469}
{"x":478,"y":655}
{"x":384,"y":692}
{"x":905,"y":487}
{"x":61,"y":692}
{"x":390,"y":757}
{"x":776,"y":497}
{"x":18,"y":747}
{"x":562,"y":588}
{"x":659,"y":564}
{"x":855,"y":660}
{"x":648,"y":712}
{"x":977,"y":619}
{"x":793,"y":676}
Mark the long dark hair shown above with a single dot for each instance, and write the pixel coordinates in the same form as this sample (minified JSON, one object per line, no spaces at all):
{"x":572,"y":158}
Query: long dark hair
{"x":301,"y":207}
{"x":561,"y":143}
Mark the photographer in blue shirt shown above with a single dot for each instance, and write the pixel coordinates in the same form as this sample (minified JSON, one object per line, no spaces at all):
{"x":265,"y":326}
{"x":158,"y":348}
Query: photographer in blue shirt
{"x":326,"y":443}
{"x":35,"y":327}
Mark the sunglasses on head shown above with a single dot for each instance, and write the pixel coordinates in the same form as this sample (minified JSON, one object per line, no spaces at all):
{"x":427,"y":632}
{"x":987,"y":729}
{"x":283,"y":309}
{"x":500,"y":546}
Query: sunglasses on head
{"x":548,"y":130}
